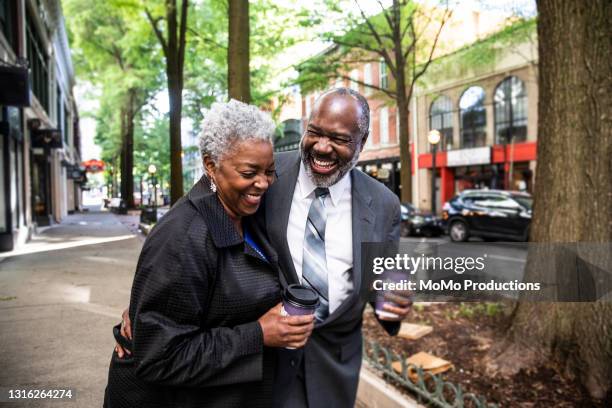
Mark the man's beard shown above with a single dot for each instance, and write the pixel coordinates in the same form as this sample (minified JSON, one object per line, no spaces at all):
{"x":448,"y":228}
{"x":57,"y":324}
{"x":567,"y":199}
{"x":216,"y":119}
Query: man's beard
{"x":327,"y":180}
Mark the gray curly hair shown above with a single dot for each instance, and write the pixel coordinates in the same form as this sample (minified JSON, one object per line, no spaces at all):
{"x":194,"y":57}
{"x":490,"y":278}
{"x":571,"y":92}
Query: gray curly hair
{"x":230,"y":122}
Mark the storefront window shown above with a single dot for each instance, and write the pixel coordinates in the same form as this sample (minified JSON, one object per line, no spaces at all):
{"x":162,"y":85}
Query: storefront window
{"x":441,"y":118}
{"x":510,"y":111}
{"x":473,"y":117}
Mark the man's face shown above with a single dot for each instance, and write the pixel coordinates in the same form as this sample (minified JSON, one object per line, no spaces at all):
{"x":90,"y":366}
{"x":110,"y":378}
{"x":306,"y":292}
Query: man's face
{"x":331,"y":144}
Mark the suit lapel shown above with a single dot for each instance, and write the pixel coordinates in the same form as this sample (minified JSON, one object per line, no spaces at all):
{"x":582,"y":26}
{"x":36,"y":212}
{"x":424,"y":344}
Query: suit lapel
{"x":363,"y":219}
{"x":278,"y":206}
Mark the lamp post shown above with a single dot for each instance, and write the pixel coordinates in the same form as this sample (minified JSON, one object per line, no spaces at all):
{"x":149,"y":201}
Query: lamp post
{"x":433,"y":138}
{"x":152,"y":170}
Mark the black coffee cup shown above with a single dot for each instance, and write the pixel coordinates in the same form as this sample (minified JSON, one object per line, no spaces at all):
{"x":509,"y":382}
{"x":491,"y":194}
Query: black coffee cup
{"x":299,"y":300}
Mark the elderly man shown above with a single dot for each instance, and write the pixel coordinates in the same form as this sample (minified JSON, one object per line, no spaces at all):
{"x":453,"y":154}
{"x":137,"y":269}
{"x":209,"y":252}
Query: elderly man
{"x":317,"y":213}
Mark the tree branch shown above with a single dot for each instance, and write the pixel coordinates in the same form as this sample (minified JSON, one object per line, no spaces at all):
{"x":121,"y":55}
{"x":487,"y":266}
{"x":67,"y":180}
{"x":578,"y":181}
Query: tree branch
{"x":157,"y":31}
{"x":382,"y":50}
{"x":447,"y":15}
{"x":389,"y":93}
{"x":389,"y":21}
{"x":182,"y":39}
{"x":207,"y":40}
{"x":410,"y":21}
{"x":363,"y":46}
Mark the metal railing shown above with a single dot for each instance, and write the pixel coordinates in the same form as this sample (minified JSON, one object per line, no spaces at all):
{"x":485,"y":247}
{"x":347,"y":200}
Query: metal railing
{"x":429,"y":388}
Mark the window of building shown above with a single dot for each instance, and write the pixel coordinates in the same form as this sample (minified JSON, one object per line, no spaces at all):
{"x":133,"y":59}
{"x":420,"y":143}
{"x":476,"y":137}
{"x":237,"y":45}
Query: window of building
{"x":510,"y":111}
{"x":66,"y":127}
{"x":38,"y":58}
{"x":370,"y":141}
{"x":367,"y":78}
{"x":383,"y":122}
{"x":354,"y":75}
{"x":473,"y":117}
{"x":397,"y":123}
{"x":7,"y":22}
{"x":58,"y":109}
{"x":441,"y":119}
{"x":383,"y":79}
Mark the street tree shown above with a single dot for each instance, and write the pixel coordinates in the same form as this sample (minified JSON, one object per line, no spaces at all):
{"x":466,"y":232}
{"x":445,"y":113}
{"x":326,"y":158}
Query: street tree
{"x":403,"y":37}
{"x":173,"y":39}
{"x":573,"y":197}
{"x":238,"y":72}
{"x":110,"y":52}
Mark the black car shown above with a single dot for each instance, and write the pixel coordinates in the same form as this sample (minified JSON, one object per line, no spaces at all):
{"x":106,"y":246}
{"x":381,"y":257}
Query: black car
{"x":415,"y":222}
{"x":495,"y":214}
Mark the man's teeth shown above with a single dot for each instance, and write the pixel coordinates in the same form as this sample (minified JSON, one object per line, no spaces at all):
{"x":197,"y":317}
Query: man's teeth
{"x":254,"y":195}
{"x":323,"y":163}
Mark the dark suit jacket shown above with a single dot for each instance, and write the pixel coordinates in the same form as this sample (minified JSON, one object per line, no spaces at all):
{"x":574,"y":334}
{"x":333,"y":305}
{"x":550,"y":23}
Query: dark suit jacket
{"x":197,"y":294}
{"x":332,"y":356}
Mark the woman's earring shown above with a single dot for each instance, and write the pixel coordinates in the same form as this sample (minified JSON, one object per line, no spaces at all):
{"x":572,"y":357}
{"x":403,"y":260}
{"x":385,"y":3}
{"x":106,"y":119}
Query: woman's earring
{"x":213,"y":186}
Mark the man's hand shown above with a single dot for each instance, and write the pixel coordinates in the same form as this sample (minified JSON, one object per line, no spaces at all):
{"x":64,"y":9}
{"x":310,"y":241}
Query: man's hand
{"x":126,"y":331}
{"x":285,"y":331}
{"x":399,"y":303}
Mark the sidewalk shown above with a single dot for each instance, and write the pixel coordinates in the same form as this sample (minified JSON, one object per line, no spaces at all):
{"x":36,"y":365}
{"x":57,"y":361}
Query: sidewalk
{"x":60,"y":295}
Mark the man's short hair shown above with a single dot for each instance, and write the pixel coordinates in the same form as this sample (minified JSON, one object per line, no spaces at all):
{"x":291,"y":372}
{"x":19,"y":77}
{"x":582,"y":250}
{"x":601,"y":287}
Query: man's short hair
{"x":363,"y":122}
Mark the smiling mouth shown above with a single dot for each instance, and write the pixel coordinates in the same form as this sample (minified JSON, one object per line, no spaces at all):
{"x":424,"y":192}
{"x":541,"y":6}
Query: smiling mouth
{"x":323,"y":166}
{"x":252,"y":199}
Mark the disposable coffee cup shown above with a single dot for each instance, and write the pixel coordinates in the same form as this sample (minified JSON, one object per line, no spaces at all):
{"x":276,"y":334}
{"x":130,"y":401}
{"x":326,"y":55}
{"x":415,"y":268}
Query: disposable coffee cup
{"x":381,"y":301}
{"x":299,"y":300}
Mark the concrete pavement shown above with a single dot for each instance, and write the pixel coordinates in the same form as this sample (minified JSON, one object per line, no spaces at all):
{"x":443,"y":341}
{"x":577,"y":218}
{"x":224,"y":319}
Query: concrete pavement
{"x":60,"y":295}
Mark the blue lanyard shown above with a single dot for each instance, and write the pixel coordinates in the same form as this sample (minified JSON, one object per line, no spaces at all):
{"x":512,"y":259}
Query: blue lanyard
{"x":249,"y":240}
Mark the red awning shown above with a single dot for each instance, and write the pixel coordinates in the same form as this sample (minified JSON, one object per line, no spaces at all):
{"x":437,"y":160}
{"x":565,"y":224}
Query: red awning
{"x":93,"y":165}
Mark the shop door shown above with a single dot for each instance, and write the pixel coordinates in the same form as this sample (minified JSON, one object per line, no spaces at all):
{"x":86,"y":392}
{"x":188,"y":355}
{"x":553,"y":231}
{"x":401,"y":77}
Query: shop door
{"x":41,"y":191}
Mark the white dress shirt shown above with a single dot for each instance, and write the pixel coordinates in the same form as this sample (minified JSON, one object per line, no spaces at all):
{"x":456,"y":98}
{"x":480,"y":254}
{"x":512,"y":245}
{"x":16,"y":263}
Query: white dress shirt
{"x":338,"y":233}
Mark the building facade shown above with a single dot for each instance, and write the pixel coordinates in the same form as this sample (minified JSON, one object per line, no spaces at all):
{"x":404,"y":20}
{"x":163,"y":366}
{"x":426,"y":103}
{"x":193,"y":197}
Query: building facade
{"x":486,"y":114}
{"x":40,"y":176}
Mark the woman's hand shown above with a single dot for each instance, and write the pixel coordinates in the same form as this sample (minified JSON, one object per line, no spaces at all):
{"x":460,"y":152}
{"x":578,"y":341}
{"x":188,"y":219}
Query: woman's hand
{"x":285,"y":331}
{"x":126,"y":331}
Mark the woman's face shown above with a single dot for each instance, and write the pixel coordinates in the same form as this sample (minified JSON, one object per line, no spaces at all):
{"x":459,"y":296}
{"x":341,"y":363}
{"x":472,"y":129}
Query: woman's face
{"x":242,"y":175}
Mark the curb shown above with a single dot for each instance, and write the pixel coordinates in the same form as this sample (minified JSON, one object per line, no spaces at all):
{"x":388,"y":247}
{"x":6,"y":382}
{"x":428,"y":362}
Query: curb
{"x":374,"y":392}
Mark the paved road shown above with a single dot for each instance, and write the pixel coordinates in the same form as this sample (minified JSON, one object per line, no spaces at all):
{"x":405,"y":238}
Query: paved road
{"x":59,"y":298}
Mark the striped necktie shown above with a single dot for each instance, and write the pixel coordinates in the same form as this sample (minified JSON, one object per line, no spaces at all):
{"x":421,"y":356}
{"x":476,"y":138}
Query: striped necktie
{"x":314,"y":263}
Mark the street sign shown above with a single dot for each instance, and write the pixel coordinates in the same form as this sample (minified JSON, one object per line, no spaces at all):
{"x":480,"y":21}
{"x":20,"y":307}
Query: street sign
{"x":468,"y":157}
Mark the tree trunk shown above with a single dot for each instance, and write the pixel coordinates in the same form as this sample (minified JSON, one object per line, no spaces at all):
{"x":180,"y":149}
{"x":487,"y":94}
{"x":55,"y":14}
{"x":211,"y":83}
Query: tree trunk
{"x":127,"y":148}
{"x":238,"y":51}
{"x":175,"y":57}
{"x":403,"y":113}
{"x":573,"y":195}
{"x":176,"y":165}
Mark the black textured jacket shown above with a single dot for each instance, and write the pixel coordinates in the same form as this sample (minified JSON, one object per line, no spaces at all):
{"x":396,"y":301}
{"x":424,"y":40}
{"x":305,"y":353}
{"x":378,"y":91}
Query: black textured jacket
{"x":197,"y":294}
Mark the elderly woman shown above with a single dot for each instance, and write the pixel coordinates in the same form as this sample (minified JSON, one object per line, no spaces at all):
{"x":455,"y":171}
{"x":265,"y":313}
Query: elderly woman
{"x":205,"y":299}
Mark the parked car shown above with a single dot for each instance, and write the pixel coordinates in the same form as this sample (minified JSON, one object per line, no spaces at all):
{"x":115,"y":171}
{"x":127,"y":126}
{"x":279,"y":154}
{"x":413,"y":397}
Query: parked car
{"x":415,"y":222}
{"x":496,"y":214}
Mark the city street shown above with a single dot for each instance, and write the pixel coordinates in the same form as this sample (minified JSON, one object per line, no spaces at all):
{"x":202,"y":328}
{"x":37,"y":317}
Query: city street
{"x":61,"y":293}
{"x":59,"y":297}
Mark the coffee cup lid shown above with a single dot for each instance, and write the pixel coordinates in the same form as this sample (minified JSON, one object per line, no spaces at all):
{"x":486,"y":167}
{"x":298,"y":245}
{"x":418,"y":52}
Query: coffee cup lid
{"x":302,"y":295}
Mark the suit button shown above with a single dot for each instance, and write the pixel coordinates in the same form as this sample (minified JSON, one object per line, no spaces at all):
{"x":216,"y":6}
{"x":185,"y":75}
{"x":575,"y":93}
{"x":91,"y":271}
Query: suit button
{"x":292,"y":362}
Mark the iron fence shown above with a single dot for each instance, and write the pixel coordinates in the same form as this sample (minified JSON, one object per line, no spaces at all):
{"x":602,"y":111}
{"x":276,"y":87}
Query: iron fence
{"x":429,"y":388}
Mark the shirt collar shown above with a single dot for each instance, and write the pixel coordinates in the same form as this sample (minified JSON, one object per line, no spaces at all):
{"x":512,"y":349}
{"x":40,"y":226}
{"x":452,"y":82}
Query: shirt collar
{"x":336,"y":191}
